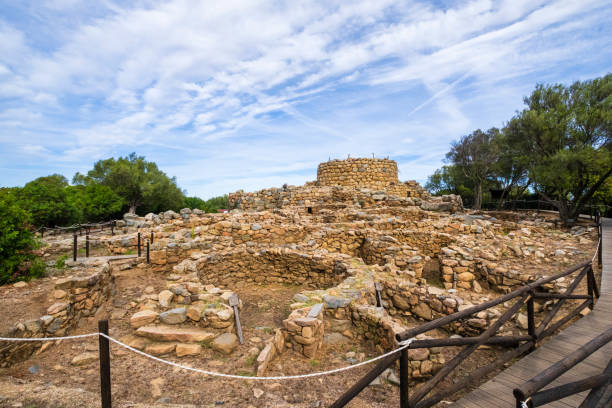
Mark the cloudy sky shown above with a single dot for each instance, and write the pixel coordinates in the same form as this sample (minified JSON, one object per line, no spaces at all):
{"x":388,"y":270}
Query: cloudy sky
{"x":229,"y":95}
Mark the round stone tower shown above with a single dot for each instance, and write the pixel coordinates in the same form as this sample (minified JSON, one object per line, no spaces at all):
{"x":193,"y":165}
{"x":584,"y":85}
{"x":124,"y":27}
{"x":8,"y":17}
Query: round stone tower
{"x":358,"y":173}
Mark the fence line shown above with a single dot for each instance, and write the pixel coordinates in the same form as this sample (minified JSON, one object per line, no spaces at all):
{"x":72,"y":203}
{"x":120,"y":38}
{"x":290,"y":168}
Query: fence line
{"x":402,"y":345}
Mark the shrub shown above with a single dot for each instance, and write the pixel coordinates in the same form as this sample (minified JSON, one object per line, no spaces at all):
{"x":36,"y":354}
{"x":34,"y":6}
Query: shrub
{"x":17,"y":242}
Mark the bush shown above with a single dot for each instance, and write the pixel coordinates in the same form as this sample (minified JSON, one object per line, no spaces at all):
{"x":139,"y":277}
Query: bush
{"x":17,"y":242}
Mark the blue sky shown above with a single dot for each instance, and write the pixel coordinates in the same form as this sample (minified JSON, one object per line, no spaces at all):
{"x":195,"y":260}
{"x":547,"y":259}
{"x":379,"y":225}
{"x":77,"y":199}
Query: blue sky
{"x":229,"y":95}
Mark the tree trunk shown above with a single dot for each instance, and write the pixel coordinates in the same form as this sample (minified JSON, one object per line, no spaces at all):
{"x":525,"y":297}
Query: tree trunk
{"x":132,"y":208}
{"x":478,"y":196}
{"x":564,"y":213}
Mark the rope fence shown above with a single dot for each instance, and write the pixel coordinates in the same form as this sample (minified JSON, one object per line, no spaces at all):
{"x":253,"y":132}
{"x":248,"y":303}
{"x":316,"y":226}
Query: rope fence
{"x":402,"y":345}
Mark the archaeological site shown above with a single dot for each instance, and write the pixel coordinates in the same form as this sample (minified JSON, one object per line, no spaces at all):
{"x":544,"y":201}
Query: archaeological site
{"x":291,"y":280}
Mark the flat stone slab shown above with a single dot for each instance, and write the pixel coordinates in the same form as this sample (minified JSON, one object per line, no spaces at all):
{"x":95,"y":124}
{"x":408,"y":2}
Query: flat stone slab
{"x":174,"y":316}
{"x":166,"y":333}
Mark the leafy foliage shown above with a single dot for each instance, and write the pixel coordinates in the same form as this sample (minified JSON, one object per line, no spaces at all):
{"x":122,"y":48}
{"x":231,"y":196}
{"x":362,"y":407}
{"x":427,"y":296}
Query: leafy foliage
{"x":559,"y":146}
{"x":94,"y":202}
{"x":139,"y":182}
{"x":46,"y":200}
{"x":17,"y":261}
{"x":210,"y":206}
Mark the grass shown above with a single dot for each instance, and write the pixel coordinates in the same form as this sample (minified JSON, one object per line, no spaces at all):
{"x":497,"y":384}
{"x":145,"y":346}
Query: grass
{"x":251,"y":360}
{"x":60,"y":262}
{"x":314,"y":363}
{"x":206,"y":343}
{"x":246,"y":373}
{"x":130,"y":252}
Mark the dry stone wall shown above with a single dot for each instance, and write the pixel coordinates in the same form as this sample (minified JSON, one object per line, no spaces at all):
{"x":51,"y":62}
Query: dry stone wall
{"x":80,"y":294}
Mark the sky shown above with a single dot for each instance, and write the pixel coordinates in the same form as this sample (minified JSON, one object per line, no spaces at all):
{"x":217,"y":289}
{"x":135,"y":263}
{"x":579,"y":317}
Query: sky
{"x":228,"y":95}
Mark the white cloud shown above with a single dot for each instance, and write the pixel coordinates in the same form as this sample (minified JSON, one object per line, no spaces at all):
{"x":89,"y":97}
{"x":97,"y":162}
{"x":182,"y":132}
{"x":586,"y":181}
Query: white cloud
{"x":297,"y":80}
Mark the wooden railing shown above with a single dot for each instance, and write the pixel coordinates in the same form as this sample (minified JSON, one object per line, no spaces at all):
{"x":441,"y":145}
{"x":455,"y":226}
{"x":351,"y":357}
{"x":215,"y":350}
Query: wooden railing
{"x":529,"y":395}
{"x":422,"y":396}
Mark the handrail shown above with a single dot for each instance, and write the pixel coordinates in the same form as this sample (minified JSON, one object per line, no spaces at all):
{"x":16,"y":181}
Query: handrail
{"x":529,"y":392}
{"x":434,"y":324}
{"x":522,"y":344}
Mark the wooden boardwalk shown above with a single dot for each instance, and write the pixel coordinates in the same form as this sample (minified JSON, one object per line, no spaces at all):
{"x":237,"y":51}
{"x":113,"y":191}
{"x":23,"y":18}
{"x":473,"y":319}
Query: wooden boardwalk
{"x":497,"y":392}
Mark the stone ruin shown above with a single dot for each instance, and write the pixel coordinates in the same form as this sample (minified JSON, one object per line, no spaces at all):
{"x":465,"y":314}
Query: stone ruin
{"x":356,"y":226}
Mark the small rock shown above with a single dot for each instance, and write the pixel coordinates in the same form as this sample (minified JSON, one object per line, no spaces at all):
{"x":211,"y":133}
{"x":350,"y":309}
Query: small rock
{"x":188,"y":349}
{"x":84,"y":358}
{"x":33,"y":369}
{"x":59,"y":294}
{"x":165,"y":297}
{"x":225,"y":343}
{"x":257,"y":392}
{"x":20,"y":284}
{"x":143,"y":318}
{"x":174,"y":316}
{"x":156,"y":385}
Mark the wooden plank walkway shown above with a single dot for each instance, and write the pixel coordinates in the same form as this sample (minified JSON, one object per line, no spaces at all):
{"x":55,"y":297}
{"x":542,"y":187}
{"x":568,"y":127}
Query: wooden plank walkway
{"x":497,"y":392}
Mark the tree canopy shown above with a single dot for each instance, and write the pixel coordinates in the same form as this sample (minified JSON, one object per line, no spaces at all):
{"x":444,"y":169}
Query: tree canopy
{"x":140,"y":183}
{"x":559,"y":147}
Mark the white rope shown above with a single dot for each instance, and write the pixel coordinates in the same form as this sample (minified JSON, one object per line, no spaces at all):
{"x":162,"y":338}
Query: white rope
{"x":402,"y":345}
{"x":596,"y":251}
{"x":78,"y":336}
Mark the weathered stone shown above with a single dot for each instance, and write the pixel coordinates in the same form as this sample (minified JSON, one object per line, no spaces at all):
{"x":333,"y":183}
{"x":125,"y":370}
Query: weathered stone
{"x":160,"y":349}
{"x":419,"y":354}
{"x":84,"y":359}
{"x":188,"y":349}
{"x":225,"y":343}
{"x":400,"y":302}
{"x":165,"y":297}
{"x":194,"y":311}
{"x":156,"y":387}
{"x":423,"y":311}
{"x":143,"y":318}
{"x":166,"y":333}
{"x":57,"y":307}
{"x":306,"y":321}
{"x":174,"y":316}
{"x":334,"y":302}
{"x":59,"y":294}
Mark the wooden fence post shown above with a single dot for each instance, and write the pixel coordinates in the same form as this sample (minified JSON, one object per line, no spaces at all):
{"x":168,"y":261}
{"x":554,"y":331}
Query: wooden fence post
{"x":151,"y":236}
{"x":105,"y":380}
{"x":531,"y":328}
{"x":87,"y":245}
{"x":74,"y":246}
{"x":404,"y":395}
{"x":148,"y":257}
{"x":138,"y":244}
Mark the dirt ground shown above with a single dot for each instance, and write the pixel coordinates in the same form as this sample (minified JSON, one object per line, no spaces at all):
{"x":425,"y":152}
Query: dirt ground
{"x":23,"y":304}
{"x":49,"y":380}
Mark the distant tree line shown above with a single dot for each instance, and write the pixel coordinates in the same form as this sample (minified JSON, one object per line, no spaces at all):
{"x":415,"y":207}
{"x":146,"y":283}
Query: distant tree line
{"x":111,"y":188}
{"x":558,"y":149}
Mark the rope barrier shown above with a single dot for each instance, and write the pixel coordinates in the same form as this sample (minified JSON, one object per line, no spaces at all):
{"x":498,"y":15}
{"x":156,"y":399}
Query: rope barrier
{"x":78,"y":336}
{"x":596,"y":251}
{"x":402,"y":345}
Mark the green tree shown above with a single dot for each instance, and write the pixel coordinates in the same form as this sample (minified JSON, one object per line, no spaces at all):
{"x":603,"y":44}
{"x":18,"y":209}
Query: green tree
{"x":195,"y":202}
{"x":475,"y":154}
{"x":139,"y":182}
{"x":17,"y":242}
{"x":566,"y":132}
{"x":95,"y":202}
{"x":210,"y":206}
{"x":511,"y":170}
{"x":46,"y":200}
{"x":450,"y":180}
